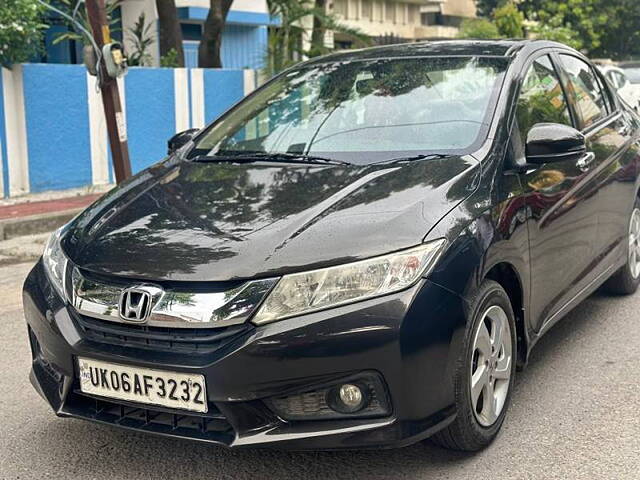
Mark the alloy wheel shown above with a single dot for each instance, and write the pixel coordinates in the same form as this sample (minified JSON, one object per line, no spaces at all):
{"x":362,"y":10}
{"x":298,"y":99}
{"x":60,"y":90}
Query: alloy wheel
{"x":491,"y":364}
{"x":634,"y":244}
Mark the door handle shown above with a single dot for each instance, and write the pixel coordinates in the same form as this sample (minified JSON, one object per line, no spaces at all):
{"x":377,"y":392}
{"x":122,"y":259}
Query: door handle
{"x":584,"y":163}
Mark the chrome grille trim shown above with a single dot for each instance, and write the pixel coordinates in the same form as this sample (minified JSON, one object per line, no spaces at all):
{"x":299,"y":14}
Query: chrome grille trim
{"x":174,"y":309}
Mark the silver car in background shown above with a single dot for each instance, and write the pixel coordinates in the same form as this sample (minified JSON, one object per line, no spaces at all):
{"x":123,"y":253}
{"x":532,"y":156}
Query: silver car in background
{"x":627,"y":90}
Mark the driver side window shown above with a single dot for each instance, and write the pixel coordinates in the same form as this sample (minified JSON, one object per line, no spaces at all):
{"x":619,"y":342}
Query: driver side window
{"x":541,"y":98}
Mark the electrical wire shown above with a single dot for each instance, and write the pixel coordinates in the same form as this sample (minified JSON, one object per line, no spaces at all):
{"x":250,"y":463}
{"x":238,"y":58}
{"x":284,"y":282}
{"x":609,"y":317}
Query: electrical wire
{"x":78,"y":26}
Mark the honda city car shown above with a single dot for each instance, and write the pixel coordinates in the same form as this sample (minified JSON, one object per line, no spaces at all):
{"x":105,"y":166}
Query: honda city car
{"x":359,"y":254}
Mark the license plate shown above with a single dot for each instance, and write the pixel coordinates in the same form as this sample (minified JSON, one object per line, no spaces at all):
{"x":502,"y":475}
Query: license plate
{"x":143,"y":385}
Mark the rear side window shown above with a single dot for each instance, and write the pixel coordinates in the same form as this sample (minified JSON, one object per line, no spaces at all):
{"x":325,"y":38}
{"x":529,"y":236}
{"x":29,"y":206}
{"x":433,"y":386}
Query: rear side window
{"x":541,"y":98}
{"x":585,"y":91}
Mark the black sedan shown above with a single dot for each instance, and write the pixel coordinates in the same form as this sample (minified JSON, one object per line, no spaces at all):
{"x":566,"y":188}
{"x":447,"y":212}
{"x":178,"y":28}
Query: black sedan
{"x":357,"y":255}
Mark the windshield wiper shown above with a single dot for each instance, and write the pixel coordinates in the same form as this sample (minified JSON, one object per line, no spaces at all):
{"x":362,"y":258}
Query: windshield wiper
{"x":412,"y":158}
{"x":276,"y":156}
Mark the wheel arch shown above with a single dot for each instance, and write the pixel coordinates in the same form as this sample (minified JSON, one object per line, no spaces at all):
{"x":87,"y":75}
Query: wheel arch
{"x":509,"y":279}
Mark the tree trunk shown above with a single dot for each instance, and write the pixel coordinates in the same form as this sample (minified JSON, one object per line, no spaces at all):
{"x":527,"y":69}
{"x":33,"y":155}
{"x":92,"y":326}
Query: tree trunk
{"x":169,"y":27}
{"x":209,"y":51}
{"x":317,"y":35}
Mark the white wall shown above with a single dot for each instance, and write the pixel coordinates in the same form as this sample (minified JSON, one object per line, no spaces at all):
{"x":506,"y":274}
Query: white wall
{"x":131,"y":10}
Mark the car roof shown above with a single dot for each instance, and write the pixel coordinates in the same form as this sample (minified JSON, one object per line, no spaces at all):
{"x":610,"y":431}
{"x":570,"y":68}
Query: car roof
{"x":493,"y":48}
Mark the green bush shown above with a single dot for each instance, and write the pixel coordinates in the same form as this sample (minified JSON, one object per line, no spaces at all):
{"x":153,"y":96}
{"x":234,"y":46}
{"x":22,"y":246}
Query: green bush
{"x":553,"y":29}
{"x":20,"y":31}
{"x":170,"y":59}
{"x":478,"y":28}
{"x":509,"y":20}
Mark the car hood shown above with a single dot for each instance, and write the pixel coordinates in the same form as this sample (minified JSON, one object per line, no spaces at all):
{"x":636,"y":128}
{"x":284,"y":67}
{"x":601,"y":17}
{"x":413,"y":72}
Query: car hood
{"x":186,"y":221}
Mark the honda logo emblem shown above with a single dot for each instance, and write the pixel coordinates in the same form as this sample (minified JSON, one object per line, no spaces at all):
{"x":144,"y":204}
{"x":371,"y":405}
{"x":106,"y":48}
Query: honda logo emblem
{"x":136,"y":303}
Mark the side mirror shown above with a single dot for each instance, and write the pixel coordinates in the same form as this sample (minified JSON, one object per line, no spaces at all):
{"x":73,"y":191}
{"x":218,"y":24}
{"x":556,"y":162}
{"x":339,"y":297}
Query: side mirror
{"x":553,"y":142}
{"x":180,"y":139}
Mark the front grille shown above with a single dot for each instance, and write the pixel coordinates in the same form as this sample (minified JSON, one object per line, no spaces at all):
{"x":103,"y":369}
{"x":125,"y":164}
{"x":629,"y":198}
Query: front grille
{"x":180,"y":340}
{"x":211,"y":426}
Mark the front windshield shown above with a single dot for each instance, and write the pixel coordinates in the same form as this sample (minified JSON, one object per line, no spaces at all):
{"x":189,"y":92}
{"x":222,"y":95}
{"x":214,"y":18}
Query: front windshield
{"x":363,"y":111}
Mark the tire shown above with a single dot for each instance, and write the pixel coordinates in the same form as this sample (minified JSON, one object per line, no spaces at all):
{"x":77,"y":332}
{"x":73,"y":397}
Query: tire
{"x":473,"y":429}
{"x":627,"y":279}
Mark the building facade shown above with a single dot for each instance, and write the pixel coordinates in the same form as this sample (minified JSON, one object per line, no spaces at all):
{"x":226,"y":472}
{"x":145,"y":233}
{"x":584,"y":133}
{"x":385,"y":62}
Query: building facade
{"x":244,"y":40}
{"x":392,"y":21}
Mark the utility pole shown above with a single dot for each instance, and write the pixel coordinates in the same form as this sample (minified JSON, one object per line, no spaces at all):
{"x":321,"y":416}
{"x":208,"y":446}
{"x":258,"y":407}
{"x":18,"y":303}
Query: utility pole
{"x":110,"y":95}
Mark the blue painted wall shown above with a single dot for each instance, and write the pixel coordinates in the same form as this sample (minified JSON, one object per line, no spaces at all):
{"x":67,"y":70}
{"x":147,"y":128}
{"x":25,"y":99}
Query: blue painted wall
{"x":150,"y":114}
{"x":222,"y":88}
{"x":56,"y":114}
{"x":243,"y":46}
{"x":190,"y":54}
{"x":57,"y":119}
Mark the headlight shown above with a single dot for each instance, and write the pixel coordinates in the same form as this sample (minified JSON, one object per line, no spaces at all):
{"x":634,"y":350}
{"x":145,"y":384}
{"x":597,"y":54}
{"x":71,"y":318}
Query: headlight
{"x":328,"y":287}
{"x":55,"y":262}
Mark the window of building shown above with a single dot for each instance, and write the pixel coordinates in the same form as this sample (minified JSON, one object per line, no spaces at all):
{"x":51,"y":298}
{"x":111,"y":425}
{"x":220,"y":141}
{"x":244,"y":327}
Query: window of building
{"x":367,"y":9}
{"x":414,"y":13}
{"x":390,"y":12}
{"x":377,"y":11}
{"x":541,"y":98}
{"x":340,"y":7}
{"x":354,"y":14}
{"x":402,"y":12}
{"x":584,"y":89}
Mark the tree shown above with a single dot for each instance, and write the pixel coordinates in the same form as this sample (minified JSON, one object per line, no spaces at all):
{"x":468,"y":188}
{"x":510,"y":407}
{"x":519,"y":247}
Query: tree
{"x":554,"y":30}
{"x":480,"y":28}
{"x":621,"y":37}
{"x":486,"y":7}
{"x":80,"y":16}
{"x":285,"y":41}
{"x":209,"y":51}
{"x":589,"y":19}
{"x":20,"y":31}
{"x":170,"y":32}
{"x":509,"y":20}
{"x":318,"y":33}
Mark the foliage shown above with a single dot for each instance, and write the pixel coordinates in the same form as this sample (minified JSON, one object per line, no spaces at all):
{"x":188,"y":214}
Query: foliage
{"x":169,"y":34}
{"x":20,"y":30}
{"x":583,"y":20}
{"x":486,"y":7}
{"x":620,"y":39}
{"x":480,"y":28}
{"x":170,"y":59}
{"x":141,"y":39}
{"x":286,"y":41}
{"x":80,"y":15}
{"x":553,"y":29}
{"x":509,"y":20}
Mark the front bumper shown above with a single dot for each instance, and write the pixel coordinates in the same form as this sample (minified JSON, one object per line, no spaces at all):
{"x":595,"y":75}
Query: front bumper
{"x":411,"y":339}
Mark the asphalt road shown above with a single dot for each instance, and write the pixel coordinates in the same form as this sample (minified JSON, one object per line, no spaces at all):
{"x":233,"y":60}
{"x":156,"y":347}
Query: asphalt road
{"x":575,"y":414}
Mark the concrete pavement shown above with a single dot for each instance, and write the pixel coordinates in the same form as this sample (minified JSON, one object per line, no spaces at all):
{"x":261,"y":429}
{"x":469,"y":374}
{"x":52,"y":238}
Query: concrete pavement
{"x":574,"y":415}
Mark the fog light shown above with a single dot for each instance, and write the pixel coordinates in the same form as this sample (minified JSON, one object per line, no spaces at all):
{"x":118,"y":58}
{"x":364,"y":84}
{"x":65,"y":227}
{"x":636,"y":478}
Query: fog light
{"x":362,"y":395}
{"x":351,"y":395}
{"x":348,"y":398}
